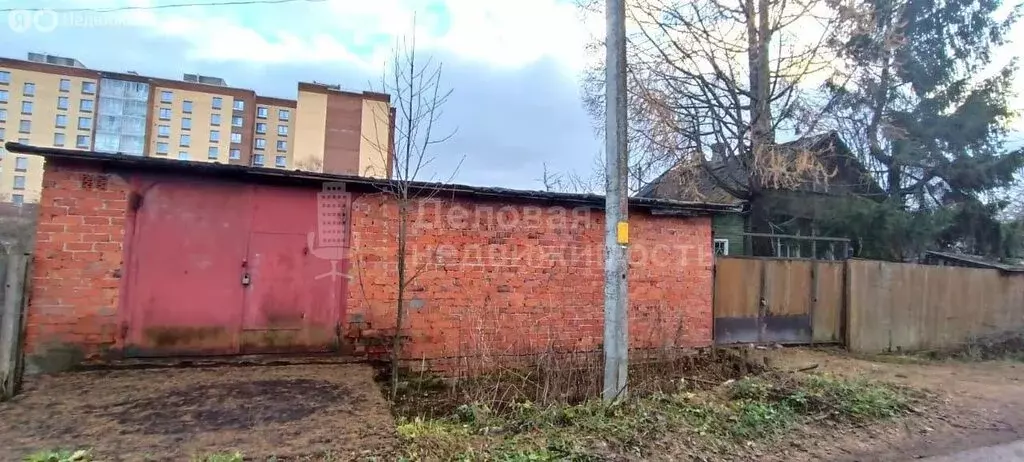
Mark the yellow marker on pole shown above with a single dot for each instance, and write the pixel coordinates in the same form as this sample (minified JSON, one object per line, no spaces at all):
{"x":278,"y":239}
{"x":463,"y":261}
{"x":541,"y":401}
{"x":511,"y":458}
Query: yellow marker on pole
{"x":623,"y":233}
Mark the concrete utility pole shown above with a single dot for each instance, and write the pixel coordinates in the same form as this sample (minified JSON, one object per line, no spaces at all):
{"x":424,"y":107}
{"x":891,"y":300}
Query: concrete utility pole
{"x":616,"y":329}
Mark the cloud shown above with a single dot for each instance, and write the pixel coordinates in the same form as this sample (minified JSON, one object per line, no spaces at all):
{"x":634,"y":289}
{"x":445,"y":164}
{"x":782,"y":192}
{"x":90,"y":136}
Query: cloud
{"x":511,"y":114}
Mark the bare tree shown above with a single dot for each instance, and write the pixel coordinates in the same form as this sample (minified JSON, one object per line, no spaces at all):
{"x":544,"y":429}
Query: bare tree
{"x":717,"y":76}
{"x":414,"y":83}
{"x":310,"y":164}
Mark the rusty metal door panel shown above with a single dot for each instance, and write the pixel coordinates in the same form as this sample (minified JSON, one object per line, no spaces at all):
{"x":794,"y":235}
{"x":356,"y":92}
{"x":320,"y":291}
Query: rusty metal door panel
{"x":737,"y":297}
{"x":787,"y":294}
{"x":295,"y":298}
{"x":770,"y":300}
{"x":185,"y":296}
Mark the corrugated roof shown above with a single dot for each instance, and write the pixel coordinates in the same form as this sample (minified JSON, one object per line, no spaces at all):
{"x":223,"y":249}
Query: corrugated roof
{"x":114,"y":162}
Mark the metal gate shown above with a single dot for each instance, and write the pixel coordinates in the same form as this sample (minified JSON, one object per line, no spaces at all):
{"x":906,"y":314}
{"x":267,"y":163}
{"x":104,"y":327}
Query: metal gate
{"x":219,"y":268}
{"x":768,"y":300}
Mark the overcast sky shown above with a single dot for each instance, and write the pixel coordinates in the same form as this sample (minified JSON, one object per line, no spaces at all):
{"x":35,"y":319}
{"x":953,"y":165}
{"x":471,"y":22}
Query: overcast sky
{"x":514,"y":65}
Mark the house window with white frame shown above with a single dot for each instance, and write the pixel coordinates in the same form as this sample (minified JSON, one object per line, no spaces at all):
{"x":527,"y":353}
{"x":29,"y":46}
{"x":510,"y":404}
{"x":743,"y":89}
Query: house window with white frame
{"x":721,"y":247}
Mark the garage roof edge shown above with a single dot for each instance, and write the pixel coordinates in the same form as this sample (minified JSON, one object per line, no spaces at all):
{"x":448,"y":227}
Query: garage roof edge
{"x":664,"y":206}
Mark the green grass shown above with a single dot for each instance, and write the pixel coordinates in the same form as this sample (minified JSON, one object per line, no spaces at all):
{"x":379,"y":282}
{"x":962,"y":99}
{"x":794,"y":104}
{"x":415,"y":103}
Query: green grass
{"x":751,"y":409}
{"x":60,"y":455}
{"x":235,"y":456}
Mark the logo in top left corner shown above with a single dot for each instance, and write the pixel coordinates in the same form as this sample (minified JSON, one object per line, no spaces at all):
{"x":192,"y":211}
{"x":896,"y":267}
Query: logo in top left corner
{"x":26,"y":20}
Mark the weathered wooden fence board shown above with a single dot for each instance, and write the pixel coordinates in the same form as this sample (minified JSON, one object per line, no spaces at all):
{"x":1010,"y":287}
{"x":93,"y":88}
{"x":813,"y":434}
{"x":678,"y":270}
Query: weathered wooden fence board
{"x":11,"y":307}
{"x":907,"y":307}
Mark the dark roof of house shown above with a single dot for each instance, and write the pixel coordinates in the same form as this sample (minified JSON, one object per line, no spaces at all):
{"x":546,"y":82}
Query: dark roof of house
{"x":720,"y":176}
{"x":972,"y":261}
{"x":115,"y":162}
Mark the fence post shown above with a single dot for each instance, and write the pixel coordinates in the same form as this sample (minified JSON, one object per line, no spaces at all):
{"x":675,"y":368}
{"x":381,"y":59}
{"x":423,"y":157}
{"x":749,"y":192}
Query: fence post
{"x":10,"y":324}
{"x":847,"y":302}
{"x":814,"y":297}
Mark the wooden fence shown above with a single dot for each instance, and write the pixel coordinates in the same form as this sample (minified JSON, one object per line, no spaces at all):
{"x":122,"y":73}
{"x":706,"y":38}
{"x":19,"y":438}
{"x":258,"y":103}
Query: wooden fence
{"x":871,"y":306}
{"x":13,"y":271}
{"x":766,"y":300}
{"x":904,"y":307}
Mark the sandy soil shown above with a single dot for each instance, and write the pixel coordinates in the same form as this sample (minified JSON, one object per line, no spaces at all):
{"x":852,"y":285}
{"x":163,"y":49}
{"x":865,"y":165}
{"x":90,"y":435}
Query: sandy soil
{"x":977,"y":404}
{"x":324,"y":412}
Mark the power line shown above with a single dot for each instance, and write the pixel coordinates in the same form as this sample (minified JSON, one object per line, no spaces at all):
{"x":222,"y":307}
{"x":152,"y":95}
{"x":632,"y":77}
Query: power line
{"x":157,"y":7}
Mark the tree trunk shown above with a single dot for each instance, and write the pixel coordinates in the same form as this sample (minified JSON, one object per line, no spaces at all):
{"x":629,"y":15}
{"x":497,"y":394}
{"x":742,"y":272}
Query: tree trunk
{"x":396,"y":341}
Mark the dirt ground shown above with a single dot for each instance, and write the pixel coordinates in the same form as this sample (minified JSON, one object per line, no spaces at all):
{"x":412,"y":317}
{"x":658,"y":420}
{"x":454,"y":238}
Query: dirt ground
{"x":977,"y":404}
{"x":336,"y":412}
{"x":314,"y":412}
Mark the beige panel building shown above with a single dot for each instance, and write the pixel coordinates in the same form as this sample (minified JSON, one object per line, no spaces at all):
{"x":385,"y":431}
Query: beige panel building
{"x":191,"y":125}
{"x":41,"y":108}
{"x":274,"y":132}
{"x":54,"y":101}
{"x":343,"y":132}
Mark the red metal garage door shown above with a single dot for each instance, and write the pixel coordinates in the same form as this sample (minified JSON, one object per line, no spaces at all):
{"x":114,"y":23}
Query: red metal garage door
{"x":293,"y":302}
{"x":227,"y":269}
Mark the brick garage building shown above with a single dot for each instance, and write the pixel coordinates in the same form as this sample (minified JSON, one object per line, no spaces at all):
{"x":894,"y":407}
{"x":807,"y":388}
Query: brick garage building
{"x":147,"y":257}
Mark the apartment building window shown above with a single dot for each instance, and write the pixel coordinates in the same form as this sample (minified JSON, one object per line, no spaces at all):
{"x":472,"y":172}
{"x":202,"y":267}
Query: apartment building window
{"x":261,"y":128}
{"x":261,"y":143}
{"x":65,"y":85}
{"x":89,"y":88}
{"x":3,"y":115}
{"x":236,"y":137}
{"x":262,"y":112}
{"x":239,"y":105}
{"x":62,"y":121}
{"x":186,"y":123}
{"x":186,"y":107}
{"x":185,"y":141}
{"x":29,"y":89}
{"x":280,"y":161}
{"x":282,"y":146}
{"x":18,"y":199}
{"x":24,"y":126}
{"x":82,"y":141}
{"x":182,"y":155}
{"x":3,"y":96}
{"x":26,"y":107}
{"x":235,"y":154}
{"x":282,"y":130}
{"x":3,"y":131}
{"x":21,"y":164}
{"x":19,"y":182}
{"x":5,"y":77}
{"x":166,"y":96}
{"x":257,"y":160}
{"x":58,"y":139}
{"x":215,"y":120}
{"x":85,"y":105}
{"x":122,"y":110}
{"x":163,"y":131}
{"x":218,"y":102}
{"x":62,"y":103}
{"x":22,"y":140}
{"x":236,"y":121}
{"x":85,"y":123}
{"x":214,"y":136}
{"x":165,"y":113}
{"x":283,"y":114}
{"x":161,"y":148}
{"x":212,"y":154}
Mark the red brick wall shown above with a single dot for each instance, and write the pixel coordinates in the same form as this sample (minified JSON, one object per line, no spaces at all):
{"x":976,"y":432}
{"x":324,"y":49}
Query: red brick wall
{"x":76,"y":269}
{"x":494,"y":278}
{"x":499,"y":279}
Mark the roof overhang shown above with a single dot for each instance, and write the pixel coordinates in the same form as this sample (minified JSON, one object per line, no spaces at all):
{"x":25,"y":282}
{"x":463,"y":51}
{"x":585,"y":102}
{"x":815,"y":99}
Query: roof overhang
{"x":124,"y":163}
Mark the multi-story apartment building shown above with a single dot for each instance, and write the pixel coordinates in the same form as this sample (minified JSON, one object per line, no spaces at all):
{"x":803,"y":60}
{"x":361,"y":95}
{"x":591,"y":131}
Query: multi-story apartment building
{"x":55,"y":101}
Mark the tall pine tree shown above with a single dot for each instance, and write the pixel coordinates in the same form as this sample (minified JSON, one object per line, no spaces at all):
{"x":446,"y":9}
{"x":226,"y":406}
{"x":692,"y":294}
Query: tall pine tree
{"x":910,"y":101}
